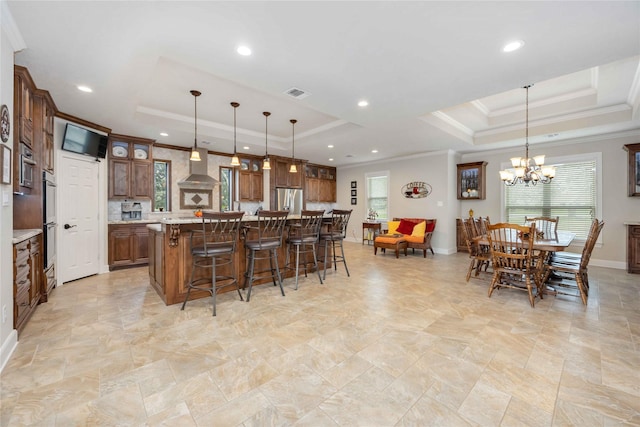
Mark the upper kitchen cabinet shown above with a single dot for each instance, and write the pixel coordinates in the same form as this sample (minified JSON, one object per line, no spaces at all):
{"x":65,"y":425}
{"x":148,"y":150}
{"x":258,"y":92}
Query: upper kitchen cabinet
{"x":23,"y":104}
{"x":283,"y":178}
{"x":320,"y":184}
{"x":130,"y":167}
{"x":47,"y":112}
{"x":251,"y":180}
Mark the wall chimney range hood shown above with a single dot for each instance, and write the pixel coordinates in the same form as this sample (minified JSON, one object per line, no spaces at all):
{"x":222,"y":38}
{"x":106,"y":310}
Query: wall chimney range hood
{"x":198,"y":177}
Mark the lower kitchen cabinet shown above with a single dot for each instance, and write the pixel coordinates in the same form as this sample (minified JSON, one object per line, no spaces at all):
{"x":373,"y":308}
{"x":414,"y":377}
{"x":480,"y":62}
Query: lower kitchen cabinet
{"x":633,"y":249}
{"x":128,"y":245}
{"x":27,"y":279}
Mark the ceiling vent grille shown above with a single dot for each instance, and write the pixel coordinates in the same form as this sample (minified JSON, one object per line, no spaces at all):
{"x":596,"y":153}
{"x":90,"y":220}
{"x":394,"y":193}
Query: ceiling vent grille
{"x":297,"y":93}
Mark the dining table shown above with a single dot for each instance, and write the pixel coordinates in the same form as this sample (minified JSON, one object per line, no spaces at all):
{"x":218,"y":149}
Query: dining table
{"x":543,"y":246}
{"x":557,"y":242}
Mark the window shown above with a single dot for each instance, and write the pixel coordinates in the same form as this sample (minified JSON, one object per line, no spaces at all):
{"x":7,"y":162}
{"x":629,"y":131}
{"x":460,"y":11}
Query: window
{"x":161,"y":185}
{"x":226,"y":188}
{"x":378,"y":194}
{"x":573,"y":196}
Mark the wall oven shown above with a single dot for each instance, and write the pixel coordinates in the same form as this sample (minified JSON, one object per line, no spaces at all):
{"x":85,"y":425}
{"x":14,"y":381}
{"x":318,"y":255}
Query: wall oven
{"x":49,"y":218}
{"x":27,"y":165}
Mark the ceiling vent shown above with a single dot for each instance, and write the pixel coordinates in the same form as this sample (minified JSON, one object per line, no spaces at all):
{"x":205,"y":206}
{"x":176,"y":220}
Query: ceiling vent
{"x":297,"y":93}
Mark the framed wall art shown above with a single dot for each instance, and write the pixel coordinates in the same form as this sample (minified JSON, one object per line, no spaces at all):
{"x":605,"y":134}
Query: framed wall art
{"x":354,"y":193}
{"x":471,"y":181}
{"x":5,"y":161}
{"x":634,"y":169}
{"x":354,"y":184}
{"x":354,"y":201}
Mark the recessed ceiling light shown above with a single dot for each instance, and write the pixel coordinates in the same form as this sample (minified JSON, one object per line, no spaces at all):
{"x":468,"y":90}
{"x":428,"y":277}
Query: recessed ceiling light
{"x":244,"y":50}
{"x":363,"y":103}
{"x":374,"y":151}
{"x":85,"y":89}
{"x":164,"y":134}
{"x":330,"y":146}
{"x":245,"y":147}
{"x":331,"y":159}
{"x":514,"y":45}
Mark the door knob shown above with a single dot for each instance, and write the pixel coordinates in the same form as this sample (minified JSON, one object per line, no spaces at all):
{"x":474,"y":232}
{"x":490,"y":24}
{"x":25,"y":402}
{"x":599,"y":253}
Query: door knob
{"x":67,"y":226}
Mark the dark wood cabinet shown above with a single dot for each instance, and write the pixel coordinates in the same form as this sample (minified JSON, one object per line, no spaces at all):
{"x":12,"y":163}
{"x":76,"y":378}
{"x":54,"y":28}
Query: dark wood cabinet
{"x":251,"y":180}
{"x":633,"y":249}
{"x":156,"y":262}
{"x":130,"y":167}
{"x":128,"y":245}
{"x":27,"y":279}
{"x":320,"y":184}
{"x":284,"y":178}
{"x":47,"y":145}
{"x":23,"y":105}
{"x":460,"y":242}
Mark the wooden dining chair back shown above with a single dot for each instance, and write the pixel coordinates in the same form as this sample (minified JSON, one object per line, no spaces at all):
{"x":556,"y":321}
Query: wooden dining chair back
{"x":569,"y":275}
{"x":480,"y":225}
{"x":478,"y":256}
{"x":548,"y":226}
{"x":514,"y":265}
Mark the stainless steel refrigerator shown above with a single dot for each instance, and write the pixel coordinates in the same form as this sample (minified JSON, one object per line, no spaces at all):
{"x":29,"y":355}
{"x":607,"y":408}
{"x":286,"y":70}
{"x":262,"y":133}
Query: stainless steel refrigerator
{"x":290,"y":199}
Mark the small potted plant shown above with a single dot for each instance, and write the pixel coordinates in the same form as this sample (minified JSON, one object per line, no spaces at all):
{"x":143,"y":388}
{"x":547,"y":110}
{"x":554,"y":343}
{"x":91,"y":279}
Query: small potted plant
{"x":372,"y":215}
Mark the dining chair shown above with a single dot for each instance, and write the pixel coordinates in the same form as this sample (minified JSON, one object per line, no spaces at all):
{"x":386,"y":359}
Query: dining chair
{"x":569,"y":275}
{"x":514,"y":263}
{"x":479,"y":257}
{"x":548,"y":226}
{"x":214,"y":247}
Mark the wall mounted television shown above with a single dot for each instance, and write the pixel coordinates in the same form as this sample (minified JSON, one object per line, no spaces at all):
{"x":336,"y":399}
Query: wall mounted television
{"x":83,"y":141}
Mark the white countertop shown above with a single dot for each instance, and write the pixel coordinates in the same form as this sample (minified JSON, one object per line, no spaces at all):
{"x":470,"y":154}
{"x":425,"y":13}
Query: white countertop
{"x":133,"y":221}
{"x":22,"y":235}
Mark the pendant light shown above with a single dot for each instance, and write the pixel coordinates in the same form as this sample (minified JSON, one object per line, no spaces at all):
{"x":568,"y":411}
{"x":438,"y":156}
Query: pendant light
{"x":524,"y":172}
{"x":266,"y":165}
{"x":235,"y":161}
{"x":195,"y":155}
{"x":293,"y":168}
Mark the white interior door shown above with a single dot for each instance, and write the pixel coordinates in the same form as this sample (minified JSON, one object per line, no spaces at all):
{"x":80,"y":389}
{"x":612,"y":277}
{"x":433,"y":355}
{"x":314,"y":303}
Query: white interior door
{"x":79,"y":248}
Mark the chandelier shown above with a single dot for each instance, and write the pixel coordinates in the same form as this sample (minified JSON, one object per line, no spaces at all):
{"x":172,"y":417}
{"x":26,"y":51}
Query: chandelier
{"x":195,"y":155}
{"x":293,"y":168}
{"x":524,"y":171}
{"x":235,"y":161}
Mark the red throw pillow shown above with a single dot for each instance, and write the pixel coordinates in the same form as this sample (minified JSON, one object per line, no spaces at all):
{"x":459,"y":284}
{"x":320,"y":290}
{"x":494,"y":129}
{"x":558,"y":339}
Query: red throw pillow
{"x":430,"y":227}
{"x":406,"y":227}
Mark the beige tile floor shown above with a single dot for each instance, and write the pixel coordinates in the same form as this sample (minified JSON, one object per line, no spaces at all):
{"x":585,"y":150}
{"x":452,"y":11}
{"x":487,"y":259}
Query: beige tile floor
{"x":402,"y":342}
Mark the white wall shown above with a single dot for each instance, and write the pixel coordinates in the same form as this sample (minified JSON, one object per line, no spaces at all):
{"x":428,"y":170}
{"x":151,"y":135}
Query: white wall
{"x":432,"y":168}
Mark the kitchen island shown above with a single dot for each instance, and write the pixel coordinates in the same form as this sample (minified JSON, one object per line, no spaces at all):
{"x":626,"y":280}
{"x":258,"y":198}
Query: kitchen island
{"x":170,"y":258}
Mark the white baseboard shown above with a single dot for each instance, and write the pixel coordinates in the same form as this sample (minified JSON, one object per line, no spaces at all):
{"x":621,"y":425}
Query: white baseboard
{"x":619,"y":265}
{"x":8,"y":347}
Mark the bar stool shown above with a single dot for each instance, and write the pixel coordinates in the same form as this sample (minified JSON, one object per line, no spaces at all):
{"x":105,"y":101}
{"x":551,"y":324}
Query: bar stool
{"x":265,"y":237}
{"x":302,"y":239}
{"x":336,"y":233}
{"x":212,"y":247}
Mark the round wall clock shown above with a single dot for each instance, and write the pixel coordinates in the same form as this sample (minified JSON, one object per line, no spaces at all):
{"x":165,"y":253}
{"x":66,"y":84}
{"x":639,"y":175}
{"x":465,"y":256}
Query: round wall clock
{"x":5,"y":118}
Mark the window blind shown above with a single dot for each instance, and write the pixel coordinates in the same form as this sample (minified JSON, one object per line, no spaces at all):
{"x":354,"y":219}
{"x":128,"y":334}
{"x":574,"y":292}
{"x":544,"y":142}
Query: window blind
{"x":377,"y":197}
{"x":571,"y":196}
